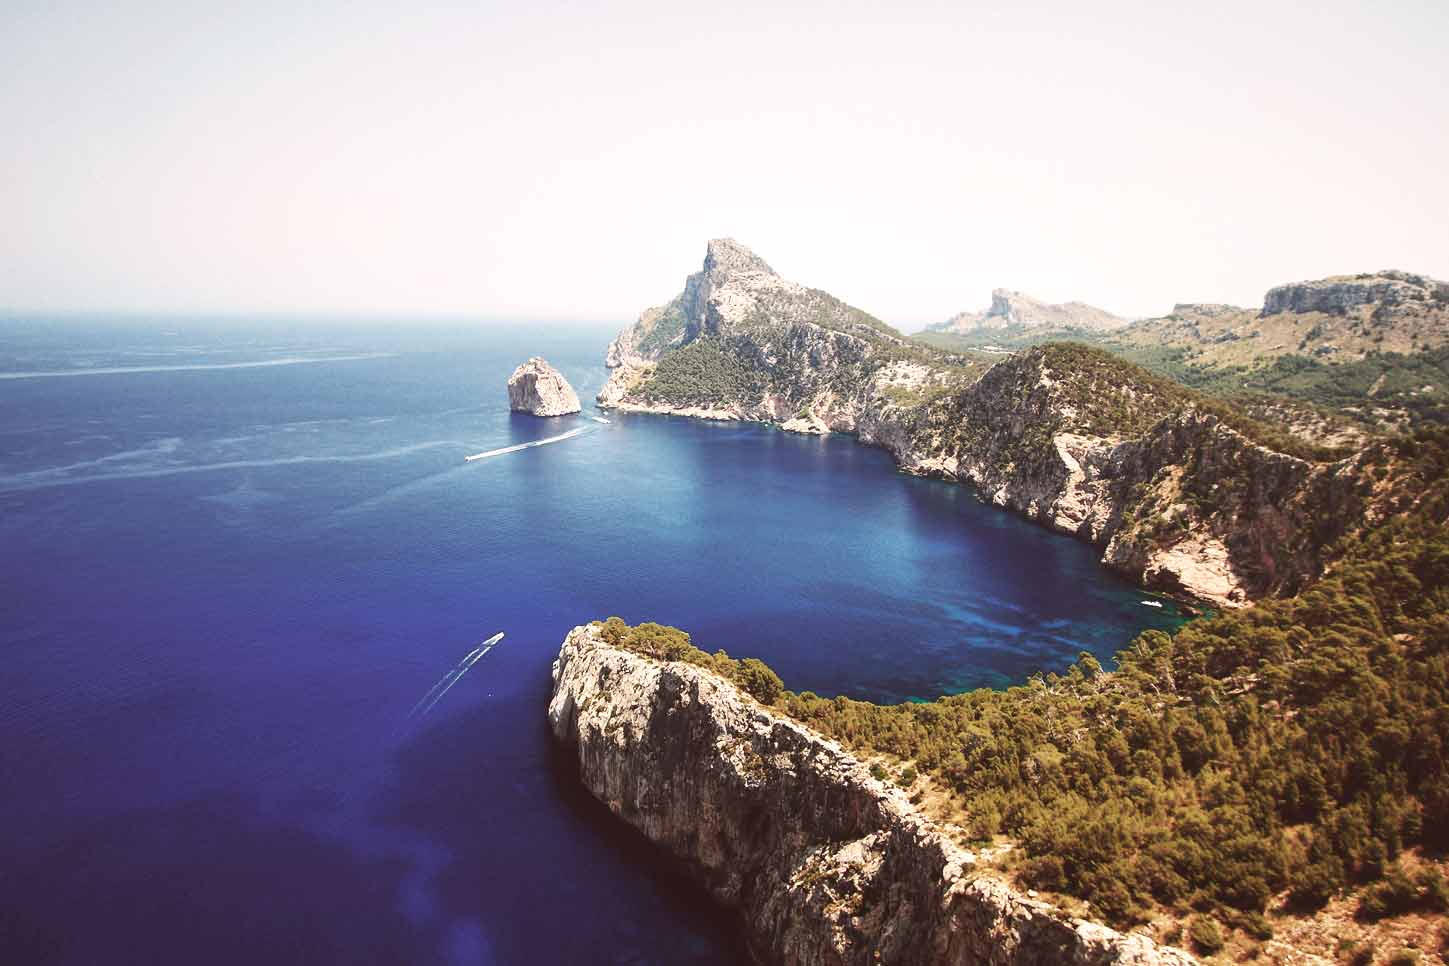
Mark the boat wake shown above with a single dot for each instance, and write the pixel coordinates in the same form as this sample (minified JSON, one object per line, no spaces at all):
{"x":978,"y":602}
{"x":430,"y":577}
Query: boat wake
{"x":69,"y":474}
{"x":445,"y":684}
{"x":522,"y":446}
{"x":190,"y":367}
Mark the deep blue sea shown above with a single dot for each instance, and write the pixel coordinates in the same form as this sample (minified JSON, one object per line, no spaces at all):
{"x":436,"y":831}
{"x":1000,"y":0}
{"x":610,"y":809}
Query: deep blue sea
{"x":225,"y":585}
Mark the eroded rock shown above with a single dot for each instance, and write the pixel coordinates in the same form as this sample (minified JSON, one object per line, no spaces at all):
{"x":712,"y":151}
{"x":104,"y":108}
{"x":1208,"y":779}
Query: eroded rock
{"x":823,"y":863}
{"x":538,"y":388}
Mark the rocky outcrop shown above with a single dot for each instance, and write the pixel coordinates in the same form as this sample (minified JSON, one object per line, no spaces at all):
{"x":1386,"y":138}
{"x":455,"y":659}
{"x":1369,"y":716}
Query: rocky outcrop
{"x":1010,"y":309}
{"x":1341,"y":293}
{"x":1344,"y":318}
{"x":740,"y":342}
{"x":538,"y":388}
{"x":825,"y":865}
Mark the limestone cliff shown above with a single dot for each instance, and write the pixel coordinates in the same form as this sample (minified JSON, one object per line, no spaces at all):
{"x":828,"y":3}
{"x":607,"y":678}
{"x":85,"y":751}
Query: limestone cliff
{"x":1343,"y":318}
{"x":538,"y":388}
{"x":1177,"y":496}
{"x":825,"y":865}
{"x":1341,"y":293}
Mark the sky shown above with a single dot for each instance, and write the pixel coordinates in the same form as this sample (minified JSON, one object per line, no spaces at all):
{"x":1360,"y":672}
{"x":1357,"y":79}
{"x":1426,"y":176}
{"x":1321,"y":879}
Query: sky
{"x":569,"y":160}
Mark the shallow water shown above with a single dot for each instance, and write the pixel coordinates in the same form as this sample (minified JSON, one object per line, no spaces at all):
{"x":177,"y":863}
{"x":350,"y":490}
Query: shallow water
{"x":225,"y":589}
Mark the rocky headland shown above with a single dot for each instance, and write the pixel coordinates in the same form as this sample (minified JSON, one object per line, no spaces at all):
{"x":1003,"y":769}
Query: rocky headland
{"x":1181,"y":493}
{"x":538,"y":388}
{"x":823,"y":863}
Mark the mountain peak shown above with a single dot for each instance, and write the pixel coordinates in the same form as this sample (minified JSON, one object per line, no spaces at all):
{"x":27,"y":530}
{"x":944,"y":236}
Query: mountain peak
{"x":1012,"y":308}
{"x":728,"y":255}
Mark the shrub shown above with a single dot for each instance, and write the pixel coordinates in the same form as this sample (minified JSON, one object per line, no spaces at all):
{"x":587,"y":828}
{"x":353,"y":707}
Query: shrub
{"x":756,"y":678}
{"x":1207,"y":937}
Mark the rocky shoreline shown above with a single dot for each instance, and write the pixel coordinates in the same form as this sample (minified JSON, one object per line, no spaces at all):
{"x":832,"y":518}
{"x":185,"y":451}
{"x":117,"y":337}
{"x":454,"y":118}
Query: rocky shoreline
{"x":821,"y":862}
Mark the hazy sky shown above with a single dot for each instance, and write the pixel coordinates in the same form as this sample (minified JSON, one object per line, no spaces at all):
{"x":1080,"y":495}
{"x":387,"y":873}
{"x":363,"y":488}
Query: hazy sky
{"x":569,"y":160}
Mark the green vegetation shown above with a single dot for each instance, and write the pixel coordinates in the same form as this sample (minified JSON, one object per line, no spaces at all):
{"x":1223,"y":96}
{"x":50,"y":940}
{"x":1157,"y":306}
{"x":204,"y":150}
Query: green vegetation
{"x":665,"y":643}
{"x":1107,"y":395}
{"x":1388,"y":380}
{"x":1299,"y":745}
{"x":1207,"y":937}
{"x":667,"y":327}
{"x":707,"y":371}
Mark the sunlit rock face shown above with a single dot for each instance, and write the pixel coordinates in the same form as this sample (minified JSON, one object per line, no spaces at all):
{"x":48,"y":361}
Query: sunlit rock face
{"x":824,"y":863}
{"x":1343,"y":292}
{"x":538,"y":388}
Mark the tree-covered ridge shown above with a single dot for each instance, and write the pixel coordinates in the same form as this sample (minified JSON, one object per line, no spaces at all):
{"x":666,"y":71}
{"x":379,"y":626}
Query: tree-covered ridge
{"x":705,"y":372}
{"x":1298,"y":747}
{"x":1382,"y":391}
{"x":1072,"y":387}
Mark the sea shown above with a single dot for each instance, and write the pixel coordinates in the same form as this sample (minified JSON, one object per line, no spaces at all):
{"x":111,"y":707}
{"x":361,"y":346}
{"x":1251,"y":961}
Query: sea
{"x":239,"y":559}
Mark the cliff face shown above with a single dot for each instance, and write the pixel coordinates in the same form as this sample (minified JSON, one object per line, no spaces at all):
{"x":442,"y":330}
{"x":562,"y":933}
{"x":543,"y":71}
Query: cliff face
{"x":1341,"y":293}
{"x":1071,"y":437}
{"x":1177,"y":499}
{"x":1338,"y":319}
{"x":1010,"y":309}
{"x":538,"y":388}
{"x":823,"y":863}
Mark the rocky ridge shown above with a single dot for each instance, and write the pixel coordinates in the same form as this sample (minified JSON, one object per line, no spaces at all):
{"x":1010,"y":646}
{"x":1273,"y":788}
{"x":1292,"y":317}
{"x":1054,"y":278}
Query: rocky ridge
{"x":1340,"y":293}
{"x":823,"y":863}
{"x":1010,"y":309}
{"x":1176,"y":497}
{"x":1338,"y":319}
{"x":538,"y":388}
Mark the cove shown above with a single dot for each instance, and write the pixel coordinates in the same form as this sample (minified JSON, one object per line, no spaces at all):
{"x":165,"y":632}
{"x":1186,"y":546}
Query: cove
{"x":230,"y":579}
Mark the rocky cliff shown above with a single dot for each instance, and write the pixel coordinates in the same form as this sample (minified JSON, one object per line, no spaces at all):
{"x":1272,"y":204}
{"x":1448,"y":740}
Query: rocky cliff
{"x":1177,"y":493}
{"x":1340,"y":293}
{"x":1010,"y":309}
{"x":823,"y":863}
{"x":538,"y":388}
{"x":1178,"y":497}
{"x":1343,"y":318}
{"x":740,"y":342}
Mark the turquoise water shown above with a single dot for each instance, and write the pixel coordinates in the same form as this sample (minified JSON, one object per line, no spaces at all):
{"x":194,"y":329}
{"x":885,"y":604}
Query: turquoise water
{"x":235,"y":565}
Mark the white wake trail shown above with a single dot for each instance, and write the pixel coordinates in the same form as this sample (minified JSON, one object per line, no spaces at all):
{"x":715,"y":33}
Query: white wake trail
{"x":444,"y":679}
{"x":522,"y":446}
{"x":468,"y":662}
{"x":189,"y":367}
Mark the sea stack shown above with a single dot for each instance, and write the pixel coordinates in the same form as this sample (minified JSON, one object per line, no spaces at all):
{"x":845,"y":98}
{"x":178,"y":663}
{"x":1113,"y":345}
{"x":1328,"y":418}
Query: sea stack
{"x":538,"y":388}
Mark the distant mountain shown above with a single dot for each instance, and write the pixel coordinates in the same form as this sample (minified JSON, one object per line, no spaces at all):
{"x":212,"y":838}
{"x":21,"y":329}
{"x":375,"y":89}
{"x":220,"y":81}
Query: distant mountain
{"x":1015,"y":310}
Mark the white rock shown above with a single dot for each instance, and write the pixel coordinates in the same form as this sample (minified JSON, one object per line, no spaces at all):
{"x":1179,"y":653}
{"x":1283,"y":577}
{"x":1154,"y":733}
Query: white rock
{"x":538,"y":388}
